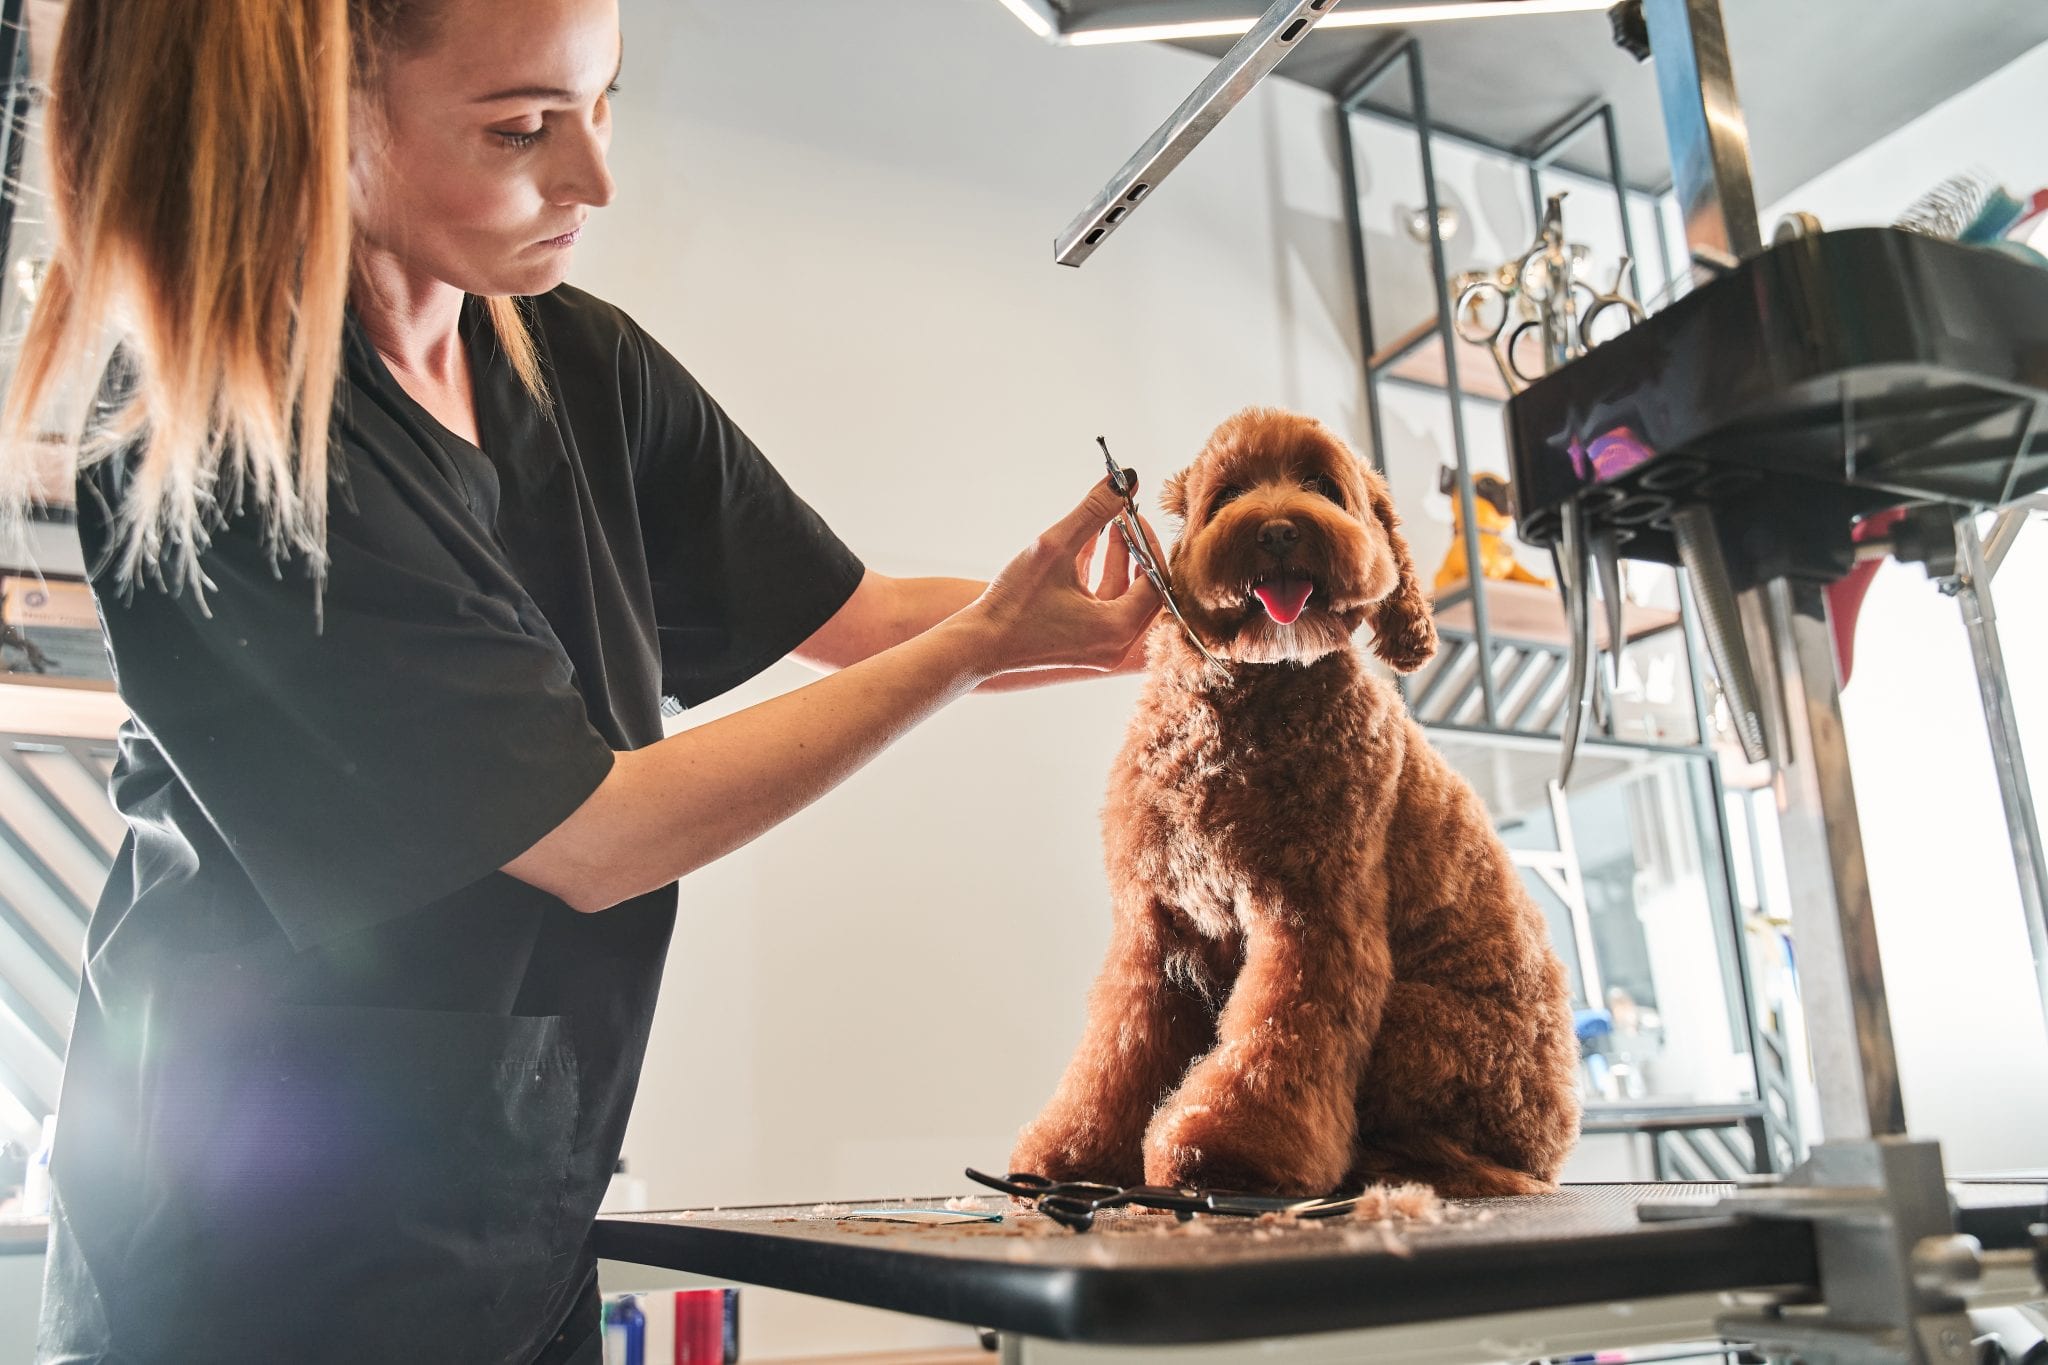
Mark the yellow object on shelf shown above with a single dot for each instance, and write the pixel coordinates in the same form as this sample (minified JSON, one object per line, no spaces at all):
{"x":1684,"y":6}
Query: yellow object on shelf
{"x":1493,"y":501}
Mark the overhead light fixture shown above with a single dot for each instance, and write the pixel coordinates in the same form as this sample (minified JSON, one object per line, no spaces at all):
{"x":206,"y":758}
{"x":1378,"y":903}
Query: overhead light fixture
{"x":1382,"y":16}
{"x":1033,"y":17}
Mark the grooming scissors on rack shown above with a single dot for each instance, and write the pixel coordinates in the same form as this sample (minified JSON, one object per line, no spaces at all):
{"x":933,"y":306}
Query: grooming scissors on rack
{"x":1566,"y":306}
{"x":1124,"y":483}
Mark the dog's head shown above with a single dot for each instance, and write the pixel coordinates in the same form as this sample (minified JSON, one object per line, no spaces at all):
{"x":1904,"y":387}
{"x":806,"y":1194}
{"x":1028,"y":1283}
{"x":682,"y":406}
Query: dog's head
{"x":1290,"y":544}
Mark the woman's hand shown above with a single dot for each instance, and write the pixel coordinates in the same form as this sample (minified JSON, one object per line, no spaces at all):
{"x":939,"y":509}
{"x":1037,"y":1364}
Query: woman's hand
{"x":1040,"y":613}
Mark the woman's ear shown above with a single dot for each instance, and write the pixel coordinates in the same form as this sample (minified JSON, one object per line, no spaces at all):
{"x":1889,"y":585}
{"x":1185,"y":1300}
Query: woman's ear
{"x":1403,"y":626}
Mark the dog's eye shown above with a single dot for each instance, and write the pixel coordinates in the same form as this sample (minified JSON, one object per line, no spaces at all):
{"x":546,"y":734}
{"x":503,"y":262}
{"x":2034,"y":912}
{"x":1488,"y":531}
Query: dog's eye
{"x":1327,"y":487}
{"x":1224,"y":497}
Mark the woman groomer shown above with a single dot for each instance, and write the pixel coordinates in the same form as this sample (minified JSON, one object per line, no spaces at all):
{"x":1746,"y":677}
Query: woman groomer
{"x":366,"y":997}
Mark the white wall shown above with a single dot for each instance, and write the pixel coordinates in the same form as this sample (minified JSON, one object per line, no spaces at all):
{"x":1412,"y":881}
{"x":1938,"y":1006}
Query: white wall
{"x":841,"y":217}
{"x":1967,"y":1023}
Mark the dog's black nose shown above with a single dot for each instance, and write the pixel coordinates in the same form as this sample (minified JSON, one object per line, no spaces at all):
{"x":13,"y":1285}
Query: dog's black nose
{"x":1278,"y":537}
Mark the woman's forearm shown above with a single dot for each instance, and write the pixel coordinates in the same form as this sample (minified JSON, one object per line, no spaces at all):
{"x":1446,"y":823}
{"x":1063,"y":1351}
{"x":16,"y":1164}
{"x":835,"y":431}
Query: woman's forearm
{"x":668,"y":809}
{"x":672,"y":807}
{"x":888,"y":611}
{"x":925,"y":602}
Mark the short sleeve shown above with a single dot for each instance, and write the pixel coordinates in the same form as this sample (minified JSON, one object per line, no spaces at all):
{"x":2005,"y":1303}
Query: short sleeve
{"x":366,"y":748}
{"x":742,"y":569}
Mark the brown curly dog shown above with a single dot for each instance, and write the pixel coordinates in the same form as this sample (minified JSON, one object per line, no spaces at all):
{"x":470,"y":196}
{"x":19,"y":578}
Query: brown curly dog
{"x":1324,"y":970}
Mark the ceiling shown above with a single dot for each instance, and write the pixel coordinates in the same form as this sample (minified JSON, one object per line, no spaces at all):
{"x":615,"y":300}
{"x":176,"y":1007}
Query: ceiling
{"x":1818,"y":79}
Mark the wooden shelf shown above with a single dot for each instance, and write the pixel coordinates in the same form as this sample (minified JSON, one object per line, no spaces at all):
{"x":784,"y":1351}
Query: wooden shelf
{"x":1525,"y":612}
{"x":60,"y":708}
{"x":1478,"y":376}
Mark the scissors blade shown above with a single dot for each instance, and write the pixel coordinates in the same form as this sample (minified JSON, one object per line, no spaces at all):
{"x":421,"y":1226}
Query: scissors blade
{"x":1141,"y":552}
{"x":1124,"y":482}
{"x":1573,"y":571}
{"x":1606,"y":547}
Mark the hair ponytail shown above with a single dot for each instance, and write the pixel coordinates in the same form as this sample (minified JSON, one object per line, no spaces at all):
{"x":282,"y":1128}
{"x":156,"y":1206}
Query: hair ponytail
{"x":199,"y":158}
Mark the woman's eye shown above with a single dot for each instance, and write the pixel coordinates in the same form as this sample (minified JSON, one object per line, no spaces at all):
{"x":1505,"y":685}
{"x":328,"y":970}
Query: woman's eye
{"x":1327,"y":487}
{"x":517,"y":138}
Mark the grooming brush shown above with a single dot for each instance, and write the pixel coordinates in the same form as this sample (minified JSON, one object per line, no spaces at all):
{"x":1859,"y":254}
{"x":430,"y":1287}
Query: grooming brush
{"x":1966,"y":208}
{"x":1948,"y":209}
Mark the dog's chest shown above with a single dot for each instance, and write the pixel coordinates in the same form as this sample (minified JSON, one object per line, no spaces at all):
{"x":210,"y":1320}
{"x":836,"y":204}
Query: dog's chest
{"x":1205,"y":798}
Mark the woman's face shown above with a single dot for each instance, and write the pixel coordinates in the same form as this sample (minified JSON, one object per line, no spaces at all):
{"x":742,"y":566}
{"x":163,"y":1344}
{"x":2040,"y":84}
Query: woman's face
{"x":486,"y":151}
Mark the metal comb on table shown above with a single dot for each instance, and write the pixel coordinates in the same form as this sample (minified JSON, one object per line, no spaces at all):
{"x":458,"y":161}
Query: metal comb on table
{"x":1124,"y":483}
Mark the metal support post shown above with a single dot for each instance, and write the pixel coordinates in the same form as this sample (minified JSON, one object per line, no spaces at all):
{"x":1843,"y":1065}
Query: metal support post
{"x":1447,"y":337}
{"x":1892,"y":1268}
{"x":2008,"y":758}
{"x":1841,"y":975}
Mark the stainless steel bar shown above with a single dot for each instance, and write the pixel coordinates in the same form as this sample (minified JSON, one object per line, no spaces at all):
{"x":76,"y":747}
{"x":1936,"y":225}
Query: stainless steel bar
{"x":2005,"y":529}
{"x":1703,"y":119}
{"x":1841,"y":976}
{"x":1277,"y":33}
{"x":2008,"y":757}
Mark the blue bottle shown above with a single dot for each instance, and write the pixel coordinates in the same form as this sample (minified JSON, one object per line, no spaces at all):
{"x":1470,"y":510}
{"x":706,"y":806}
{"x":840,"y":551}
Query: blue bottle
{"x":625,"y":1332}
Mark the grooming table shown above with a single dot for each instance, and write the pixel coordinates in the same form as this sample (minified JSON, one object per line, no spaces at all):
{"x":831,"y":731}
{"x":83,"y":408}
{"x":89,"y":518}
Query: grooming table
{"x":1143,"y":1279}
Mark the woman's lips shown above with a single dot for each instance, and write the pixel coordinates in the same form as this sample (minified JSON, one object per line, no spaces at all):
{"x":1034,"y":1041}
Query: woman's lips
{"x":567,"y":239}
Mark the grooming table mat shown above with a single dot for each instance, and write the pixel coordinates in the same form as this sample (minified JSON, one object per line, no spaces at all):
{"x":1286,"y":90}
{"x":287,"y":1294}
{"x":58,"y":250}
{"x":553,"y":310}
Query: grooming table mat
{"x":1144,"y":1278}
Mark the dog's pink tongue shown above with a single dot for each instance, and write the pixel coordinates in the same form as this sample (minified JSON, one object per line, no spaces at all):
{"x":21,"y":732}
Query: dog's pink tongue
{"x":1284,"y":598}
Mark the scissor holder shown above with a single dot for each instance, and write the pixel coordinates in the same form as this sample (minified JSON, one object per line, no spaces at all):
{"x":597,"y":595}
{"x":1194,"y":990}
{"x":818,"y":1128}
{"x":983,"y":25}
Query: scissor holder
{"x":1830,"y":377}
{"x":1741,"y":433}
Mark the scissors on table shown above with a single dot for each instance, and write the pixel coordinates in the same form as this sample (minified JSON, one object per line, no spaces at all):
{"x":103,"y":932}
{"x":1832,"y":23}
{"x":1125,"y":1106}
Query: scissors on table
{"x":1123,"y":481}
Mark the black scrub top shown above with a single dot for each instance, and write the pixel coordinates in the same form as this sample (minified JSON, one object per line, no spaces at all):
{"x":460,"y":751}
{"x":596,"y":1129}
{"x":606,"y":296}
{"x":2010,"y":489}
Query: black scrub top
{"x":339,"y":1090}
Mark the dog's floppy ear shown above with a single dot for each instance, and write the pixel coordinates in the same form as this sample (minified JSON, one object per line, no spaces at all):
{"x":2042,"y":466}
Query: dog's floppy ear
{"x":1173,"y":495}
{"x":1403,"y":627}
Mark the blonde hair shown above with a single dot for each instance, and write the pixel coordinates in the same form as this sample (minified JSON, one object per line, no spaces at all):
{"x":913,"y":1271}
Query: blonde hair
{"x":199,"y":168}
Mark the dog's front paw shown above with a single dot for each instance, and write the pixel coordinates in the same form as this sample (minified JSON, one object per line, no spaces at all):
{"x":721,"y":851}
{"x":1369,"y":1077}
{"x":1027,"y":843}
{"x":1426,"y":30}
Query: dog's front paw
{"x":1061,"y":1146}
{"x":1221,"y":1144}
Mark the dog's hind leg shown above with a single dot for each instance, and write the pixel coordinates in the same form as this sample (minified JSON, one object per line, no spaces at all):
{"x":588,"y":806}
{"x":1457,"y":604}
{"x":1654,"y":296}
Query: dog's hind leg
{"x":1144,"y":1027}
{"x":1470,"y":1089}
{"x":1426,"y":1159}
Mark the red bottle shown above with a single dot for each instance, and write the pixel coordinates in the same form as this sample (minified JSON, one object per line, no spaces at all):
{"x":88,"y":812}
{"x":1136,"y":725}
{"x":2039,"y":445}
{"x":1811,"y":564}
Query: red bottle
{"x":707,"y":1327}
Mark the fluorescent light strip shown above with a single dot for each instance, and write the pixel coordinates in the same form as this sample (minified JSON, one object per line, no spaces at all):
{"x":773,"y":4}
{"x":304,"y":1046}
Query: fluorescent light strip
{"x":1029,"y":17}
{"x":1365,"y":18}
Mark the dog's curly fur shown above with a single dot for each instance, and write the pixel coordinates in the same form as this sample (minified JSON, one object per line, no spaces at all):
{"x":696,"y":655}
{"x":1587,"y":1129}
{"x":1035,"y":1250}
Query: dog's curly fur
{"x":1324,"y":969}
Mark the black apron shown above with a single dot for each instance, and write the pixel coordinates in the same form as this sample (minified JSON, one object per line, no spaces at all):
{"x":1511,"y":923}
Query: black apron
{"x":338,"y":1089}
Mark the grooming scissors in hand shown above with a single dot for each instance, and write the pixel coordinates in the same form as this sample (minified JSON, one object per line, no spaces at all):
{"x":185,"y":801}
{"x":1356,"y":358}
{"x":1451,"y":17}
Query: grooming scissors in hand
{"x":1124,"y":483}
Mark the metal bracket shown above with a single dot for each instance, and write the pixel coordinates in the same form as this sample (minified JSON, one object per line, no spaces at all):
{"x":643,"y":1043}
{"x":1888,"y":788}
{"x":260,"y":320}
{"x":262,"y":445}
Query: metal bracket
{"x":1892,"y":1267}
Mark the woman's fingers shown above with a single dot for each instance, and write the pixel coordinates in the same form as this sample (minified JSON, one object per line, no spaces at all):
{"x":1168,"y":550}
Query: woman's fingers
{"x":1116,"y":567}
{"x":1080,"y":526}
{"x":1085,"y":560}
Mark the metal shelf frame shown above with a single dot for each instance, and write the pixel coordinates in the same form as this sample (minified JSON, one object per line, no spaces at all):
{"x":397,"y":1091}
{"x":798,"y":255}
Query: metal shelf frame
{"x":1481,"y":647}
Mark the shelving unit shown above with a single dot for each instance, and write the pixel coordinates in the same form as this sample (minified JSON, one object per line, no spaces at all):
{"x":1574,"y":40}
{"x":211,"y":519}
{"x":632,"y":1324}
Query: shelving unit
{"x":58,"y":832}
{"x":1495,"y":696}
